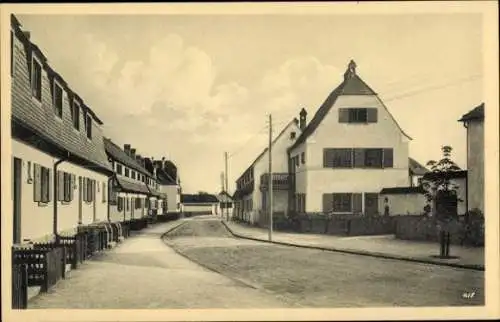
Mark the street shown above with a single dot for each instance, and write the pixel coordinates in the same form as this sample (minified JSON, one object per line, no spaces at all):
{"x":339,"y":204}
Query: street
{"x":200,"y":265}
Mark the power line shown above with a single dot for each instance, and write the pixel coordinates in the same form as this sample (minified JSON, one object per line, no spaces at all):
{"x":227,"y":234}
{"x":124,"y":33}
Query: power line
{"x":247,"y":141}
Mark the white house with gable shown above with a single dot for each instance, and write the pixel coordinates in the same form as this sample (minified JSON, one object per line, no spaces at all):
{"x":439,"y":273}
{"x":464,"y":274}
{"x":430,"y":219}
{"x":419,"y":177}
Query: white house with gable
{"x":352,"y":148}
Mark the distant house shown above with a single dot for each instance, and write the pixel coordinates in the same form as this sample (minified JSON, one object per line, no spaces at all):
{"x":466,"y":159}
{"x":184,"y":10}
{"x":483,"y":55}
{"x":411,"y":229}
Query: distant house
{"x":474,"y":123}
{"x":129,"y":193}
{"x":416,"y":172}
{"x":169,"y":182}
{"x":352,"y":149}
{"x":251,"y":197}
{"x":225,"y":206}
{"x":60,"y":168}
{"x":200,"y":204}
{"x":157,"y":199}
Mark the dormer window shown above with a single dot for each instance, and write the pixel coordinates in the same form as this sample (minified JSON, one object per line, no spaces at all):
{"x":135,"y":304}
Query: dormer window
{"x":292,"y":135}
{"x":36,"y":78}
{"x":88,"y":125}
{"x":75,"y":115}
{"x":58,"y":99}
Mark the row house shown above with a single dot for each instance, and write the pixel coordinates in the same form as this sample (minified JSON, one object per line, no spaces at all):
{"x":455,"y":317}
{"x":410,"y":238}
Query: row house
{"x":169,"y":185}
{"x":157,"y":199}
{"x":473,"y":121}
{"x":129,"y":192}
{"x":59,"y":166}
{"x":251,"y":196}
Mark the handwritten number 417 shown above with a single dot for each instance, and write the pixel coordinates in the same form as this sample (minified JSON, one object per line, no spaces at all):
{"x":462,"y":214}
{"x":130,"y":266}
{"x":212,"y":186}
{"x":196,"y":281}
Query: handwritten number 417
{"x":468,"y":295}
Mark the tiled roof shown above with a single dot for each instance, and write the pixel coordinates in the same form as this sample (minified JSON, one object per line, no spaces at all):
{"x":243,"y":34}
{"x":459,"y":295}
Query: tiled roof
{"x":294,"y":121}
{"x":476,"y":114}
{"x":131,"y":186}
{"x":115,"y":152}
{"x":164,"y":178}
{"x":40,"y":119}
{"x":402,"y":190}
{"x":203,"y":198}
{"x":416,"y":168}
{"x":448,"y":175}
{"x":352,"y":85}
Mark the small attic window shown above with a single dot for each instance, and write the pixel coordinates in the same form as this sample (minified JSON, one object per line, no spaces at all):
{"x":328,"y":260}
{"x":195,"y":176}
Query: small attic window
{"x":292,"y":135}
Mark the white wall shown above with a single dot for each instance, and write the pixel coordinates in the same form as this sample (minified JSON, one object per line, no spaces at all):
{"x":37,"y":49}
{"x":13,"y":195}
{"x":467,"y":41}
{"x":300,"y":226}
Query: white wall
{"x":37,"y":220}
{"x":331,"y":134}
{"x":173,"y":197}
{"x":403,"y":204}
{"x":199,"y":208}
{"x":475,"y":165}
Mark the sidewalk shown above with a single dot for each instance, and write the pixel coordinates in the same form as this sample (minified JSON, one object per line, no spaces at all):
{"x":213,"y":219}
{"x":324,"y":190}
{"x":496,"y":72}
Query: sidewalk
{"x":144,"y":273}
{"x":385,"y":246}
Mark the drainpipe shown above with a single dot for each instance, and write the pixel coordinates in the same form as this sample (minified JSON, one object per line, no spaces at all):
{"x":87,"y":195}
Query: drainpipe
{"x":56,"y":193}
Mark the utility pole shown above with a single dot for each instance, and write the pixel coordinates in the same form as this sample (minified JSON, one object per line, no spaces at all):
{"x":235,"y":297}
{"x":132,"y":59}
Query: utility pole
{"x":225,"y":177}
{"x":270,"y":178}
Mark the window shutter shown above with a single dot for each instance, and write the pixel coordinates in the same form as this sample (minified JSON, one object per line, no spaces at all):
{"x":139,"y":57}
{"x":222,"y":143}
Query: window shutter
{"x":48,"y":192}
{"x":359,"y":158}
{"x":104,"y":192}
{"x":37,"y":183}
{"x":85,"y":191}
{"x":327,"y":202}
{"x":60,"y":186}
{"x":327,"y":158}
{"x":357,"y":202}
{"x":371,"y":115}
{"x":388,"y":158}
{"x":71,"y":187}
{"x":343,"y":115}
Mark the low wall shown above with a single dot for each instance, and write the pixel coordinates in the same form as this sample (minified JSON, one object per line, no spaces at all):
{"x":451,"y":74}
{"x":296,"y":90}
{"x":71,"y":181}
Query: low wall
{"x":469,"y":232}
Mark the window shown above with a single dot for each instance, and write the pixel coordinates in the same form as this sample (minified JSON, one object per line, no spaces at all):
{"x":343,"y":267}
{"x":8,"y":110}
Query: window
{"x":337,"y":158}
{"x":36,"y":79}
{"x":58,"y":99}
{"x":357,"y":115}
{"x":342,"y":202}
{"x":373,"y":158}
{"x":133,"y":174}
{"x":137,"y":203}
{"x":303,"y":157}
{"x":65,"y":184}
{"x":75,"y":115}
{"x":104,"y":192}
{"x":119,"y":168}
{"x":127,"y":204}
{"x":127,"y":172}
{"x":120,"y":204}
{"x":88,"y":125}
{"x":42,"y":184}
{"x":292,"y":135}
{"x":88,"y":190}
{"x":143,"y":178}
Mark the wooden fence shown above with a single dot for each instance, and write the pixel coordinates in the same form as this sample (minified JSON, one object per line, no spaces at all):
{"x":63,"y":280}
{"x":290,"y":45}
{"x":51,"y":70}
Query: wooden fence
{"x":19,"y":286}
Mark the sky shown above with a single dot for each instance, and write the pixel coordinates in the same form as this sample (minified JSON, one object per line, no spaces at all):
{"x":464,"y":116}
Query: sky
{"x":191,"y":87}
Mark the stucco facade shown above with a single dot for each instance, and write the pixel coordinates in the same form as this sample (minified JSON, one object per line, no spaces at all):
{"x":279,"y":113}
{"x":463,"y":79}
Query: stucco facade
{"x":475,"y":164}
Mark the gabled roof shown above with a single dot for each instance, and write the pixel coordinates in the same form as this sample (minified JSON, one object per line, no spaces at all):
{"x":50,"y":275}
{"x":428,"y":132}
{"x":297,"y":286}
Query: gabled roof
{"x":294,"y":121}
{"x":352,"y":85}
{"x":116,"y":153}
{"x":164,"y":178}
{"x":223,"y":196}
{"x":416,"y":168}
{"x":476,"y":114}
{"x":127,"y":185}
{"x":200,"y":198}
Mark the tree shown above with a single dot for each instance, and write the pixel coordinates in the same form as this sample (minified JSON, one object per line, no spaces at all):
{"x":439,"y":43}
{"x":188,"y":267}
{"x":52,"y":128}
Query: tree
{"x":441,"y":193}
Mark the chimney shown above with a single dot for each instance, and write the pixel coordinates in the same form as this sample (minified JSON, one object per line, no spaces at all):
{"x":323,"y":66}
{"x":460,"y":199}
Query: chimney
{"x":138,"y":158}
{"x":163,"y":162}
{"x":132,"y":153}
{"x":303,"y":119}
{"x":126,"y":148}
{"x":351,"y":70}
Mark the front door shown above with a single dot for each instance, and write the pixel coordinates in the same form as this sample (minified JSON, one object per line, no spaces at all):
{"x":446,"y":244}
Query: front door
{"x":17,"y":182}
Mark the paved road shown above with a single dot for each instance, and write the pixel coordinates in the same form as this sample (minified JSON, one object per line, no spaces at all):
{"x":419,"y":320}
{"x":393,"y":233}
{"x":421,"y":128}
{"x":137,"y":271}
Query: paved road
{"x":143,"y":273}
{"x":314,"y":278}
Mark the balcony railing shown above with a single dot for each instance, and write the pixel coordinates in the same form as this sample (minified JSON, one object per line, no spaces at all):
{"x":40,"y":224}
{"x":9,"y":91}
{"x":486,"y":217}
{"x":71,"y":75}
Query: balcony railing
{"x":247,"y":187}
{"x":281,"y":181}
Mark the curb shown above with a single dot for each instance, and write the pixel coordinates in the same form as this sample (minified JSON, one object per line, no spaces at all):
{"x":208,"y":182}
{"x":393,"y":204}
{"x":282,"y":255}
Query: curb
{"x":361,"y":253}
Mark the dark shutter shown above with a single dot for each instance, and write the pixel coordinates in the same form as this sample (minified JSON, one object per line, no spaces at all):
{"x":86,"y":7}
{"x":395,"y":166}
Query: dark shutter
{"x":37,"y":183}
{"x":327,"y":158}
{"x":343,"y":115}
{"x":48,"y":192}
{"x":327,"y":202}
{"x":371,"y":115}
{"x":388,"y":158}
{"x":71,"y":187}
{"x":357,"y":202}
{"x":359,"y":158}
{"x":85,"y":191}
{"x":60,"y":186}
